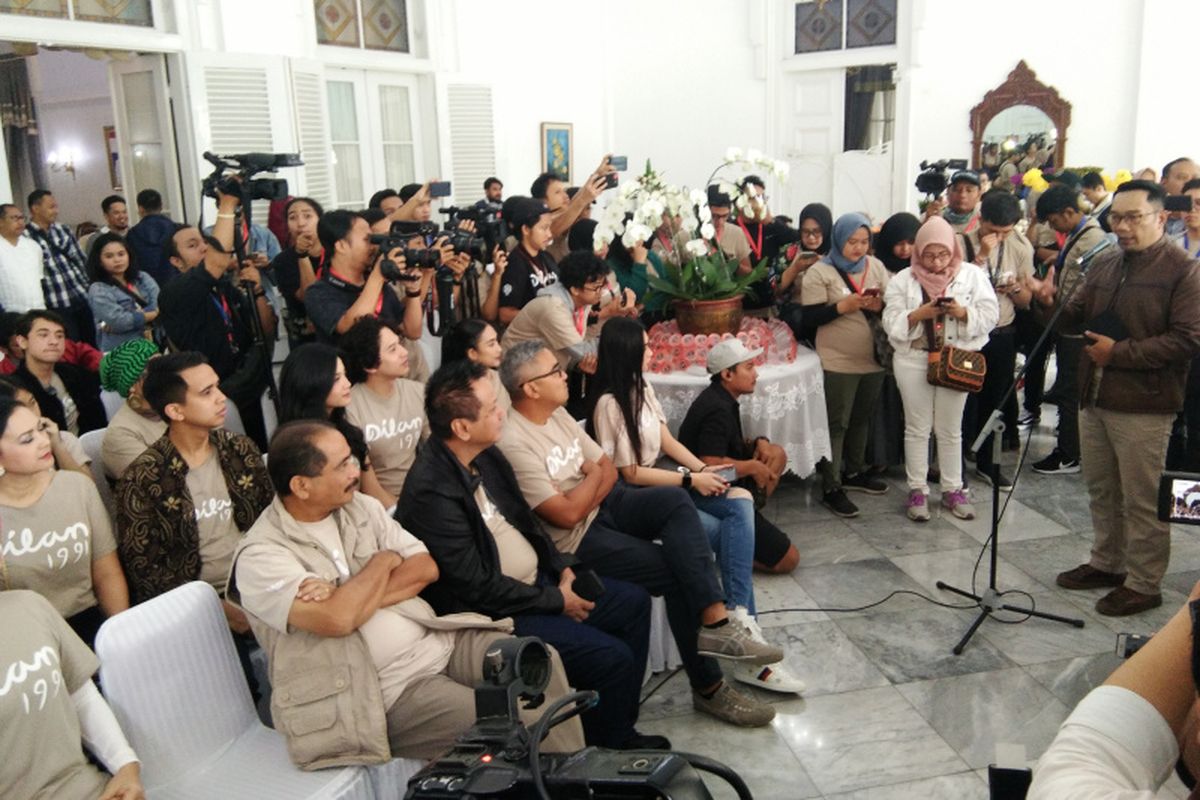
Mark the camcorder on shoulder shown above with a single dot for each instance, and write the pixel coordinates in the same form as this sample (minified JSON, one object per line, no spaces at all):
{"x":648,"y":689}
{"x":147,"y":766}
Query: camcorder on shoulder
{"x":490,"y":231}
{"x":235,"y":175}
{"x":934,"y":177}
{"x":499,"y":757}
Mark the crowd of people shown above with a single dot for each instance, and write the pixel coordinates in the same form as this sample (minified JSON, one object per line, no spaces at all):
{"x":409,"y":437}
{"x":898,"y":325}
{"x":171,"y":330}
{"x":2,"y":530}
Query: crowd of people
{"x":401,"y":518}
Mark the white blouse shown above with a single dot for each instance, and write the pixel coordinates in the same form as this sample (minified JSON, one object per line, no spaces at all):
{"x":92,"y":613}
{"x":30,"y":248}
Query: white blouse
{"x":970,"y":288}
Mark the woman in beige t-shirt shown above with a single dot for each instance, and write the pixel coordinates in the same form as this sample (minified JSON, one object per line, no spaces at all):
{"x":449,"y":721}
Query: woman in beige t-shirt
{"x":838,"y":293}
{"x":476,"y":340}
{"x":55,"y":536}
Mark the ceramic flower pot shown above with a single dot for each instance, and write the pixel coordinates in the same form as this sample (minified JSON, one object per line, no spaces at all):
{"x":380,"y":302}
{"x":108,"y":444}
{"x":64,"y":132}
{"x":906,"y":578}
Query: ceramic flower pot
{"x":709,"y":316}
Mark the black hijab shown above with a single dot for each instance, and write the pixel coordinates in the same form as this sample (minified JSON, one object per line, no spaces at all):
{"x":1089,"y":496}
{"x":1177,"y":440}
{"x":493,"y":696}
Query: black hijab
{"x":823,"y":217}
{"x":898,"y":228}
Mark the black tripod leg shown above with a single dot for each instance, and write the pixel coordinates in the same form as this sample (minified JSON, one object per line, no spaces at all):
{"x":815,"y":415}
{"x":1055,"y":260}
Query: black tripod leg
{"x":1078,"y":623}
{"x":962,"y":643}
{"x":945,"y":587}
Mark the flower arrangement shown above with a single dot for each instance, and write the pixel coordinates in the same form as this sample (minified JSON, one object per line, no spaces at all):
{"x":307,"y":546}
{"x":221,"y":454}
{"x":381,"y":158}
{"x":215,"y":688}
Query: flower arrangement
{"x":646,"y":203}
{"x":672,"y":350}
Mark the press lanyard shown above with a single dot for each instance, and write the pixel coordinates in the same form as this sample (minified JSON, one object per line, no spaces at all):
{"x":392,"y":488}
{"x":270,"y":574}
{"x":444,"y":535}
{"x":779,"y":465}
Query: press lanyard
{"x":226,"y":314}
{"x":858,"y":287}
{"x":755,"y":248}
{"x":344,"y":282}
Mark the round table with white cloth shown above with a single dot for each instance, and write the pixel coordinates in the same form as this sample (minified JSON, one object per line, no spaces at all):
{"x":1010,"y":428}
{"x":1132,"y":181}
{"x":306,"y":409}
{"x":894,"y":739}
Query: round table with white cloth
{"x":788,"y":406}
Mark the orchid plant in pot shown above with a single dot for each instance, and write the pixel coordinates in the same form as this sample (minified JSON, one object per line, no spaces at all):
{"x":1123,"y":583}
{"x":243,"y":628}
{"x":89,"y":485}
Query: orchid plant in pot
{"x":703,"y":284}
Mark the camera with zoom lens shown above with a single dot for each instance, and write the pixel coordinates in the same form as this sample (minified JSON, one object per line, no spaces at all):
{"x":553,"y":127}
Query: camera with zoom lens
{"x":235,"y":175}
{"x":490,"y":229}
{"x":400,"y":234}
{"x":933,"y":179}
{"x":499,"y":757}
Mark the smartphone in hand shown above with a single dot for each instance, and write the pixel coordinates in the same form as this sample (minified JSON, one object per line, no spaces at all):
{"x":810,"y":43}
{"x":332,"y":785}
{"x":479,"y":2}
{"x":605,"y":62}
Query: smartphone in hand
{"x":871,"y":291}
{"x":439,"y":189}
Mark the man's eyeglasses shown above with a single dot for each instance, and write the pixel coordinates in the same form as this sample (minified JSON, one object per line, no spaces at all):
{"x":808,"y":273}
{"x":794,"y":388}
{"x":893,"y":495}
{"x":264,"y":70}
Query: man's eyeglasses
{"x":1133,"y":218}
{"x":556,"y":371}
{"x":595,"y":288}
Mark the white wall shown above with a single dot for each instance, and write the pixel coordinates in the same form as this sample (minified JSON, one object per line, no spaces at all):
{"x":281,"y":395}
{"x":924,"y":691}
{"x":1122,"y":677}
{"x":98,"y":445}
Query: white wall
{"x":1165,"y":122}
{"x":74,"y":105}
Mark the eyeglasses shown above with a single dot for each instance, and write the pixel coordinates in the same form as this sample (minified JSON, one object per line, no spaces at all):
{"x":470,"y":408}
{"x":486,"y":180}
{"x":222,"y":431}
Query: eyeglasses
{"x":1133,"y":218}
{"x":556,"y":371}
{"x":937,"y":257}
{"x":595,"y":288}
{"x":811,"y":234}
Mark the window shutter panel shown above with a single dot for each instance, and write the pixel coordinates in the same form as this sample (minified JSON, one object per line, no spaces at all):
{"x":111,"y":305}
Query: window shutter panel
{"x":472,"y":139}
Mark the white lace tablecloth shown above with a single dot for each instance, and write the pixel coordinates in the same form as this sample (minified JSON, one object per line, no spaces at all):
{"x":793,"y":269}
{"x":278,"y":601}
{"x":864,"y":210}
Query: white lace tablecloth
{"x":788,"y":406}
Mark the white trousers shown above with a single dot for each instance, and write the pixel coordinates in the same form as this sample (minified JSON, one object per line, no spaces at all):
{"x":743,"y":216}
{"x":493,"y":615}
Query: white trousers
{"x":927,"y":409}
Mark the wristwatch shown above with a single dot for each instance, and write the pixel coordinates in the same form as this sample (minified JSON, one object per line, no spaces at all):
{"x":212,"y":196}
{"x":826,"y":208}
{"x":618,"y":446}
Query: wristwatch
{"x":687,"y":476}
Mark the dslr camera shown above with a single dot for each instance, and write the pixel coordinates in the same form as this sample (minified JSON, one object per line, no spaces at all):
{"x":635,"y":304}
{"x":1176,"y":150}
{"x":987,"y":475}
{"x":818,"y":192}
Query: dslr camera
{"x":235,"y":175}
{"x":399,"y":236}
{"x":490,"y":231}
{"x":499,"y":757}
{"x":934,"y":178}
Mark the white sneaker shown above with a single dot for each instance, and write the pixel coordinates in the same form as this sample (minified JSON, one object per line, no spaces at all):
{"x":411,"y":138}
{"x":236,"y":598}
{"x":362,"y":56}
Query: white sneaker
{"x":773,"y":677}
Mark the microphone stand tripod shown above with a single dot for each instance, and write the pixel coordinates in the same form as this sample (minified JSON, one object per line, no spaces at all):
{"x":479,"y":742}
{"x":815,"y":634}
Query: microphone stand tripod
{"x":990,"y":601}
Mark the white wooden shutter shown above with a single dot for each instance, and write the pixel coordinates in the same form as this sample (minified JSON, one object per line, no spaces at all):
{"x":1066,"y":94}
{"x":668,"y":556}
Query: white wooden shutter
{"x":472,"y":139}
{"x":308,"y":99}
{"x":239,"y":116}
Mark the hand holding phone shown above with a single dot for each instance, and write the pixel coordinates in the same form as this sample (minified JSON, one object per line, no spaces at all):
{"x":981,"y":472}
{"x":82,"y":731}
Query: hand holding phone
{"x":439,"y":189}
{"x":944,"y":302}
{"x":619,"y":163}
{"x":871,"y":291}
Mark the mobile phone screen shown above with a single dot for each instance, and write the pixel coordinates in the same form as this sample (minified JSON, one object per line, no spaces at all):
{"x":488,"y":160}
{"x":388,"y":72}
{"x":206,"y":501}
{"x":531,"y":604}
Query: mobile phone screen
{"x":439,"y":189}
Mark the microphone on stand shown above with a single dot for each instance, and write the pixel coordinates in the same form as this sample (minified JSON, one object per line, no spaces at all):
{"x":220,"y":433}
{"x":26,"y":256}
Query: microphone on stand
{"x":1109,"y":240}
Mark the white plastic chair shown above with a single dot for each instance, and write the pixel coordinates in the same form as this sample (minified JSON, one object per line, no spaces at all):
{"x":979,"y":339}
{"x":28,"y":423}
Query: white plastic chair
{"x":92,"y":443}
{"x":112,"y":403}
{"x":233,"y":419}
{"x":170,"y":672}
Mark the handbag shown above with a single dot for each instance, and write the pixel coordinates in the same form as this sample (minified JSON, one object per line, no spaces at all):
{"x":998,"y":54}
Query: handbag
{"x":954,"y":367}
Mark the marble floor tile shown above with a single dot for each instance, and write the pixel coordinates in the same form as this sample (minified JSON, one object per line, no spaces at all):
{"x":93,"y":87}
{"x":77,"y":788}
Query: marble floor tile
{"x":826,"y":659}
{"x":917,"y":645}
{"x":1185,"y":549}
{"x":1043,"y":559}
{"x":955,"y":568}
{"x":975,"y":712}
{"x":901,"y":537}
{"x":1038,"y":640}
{"x":667,"y":695}
{"x":1020,"y":522}
{"x":1145,"y":622}
{"x":1061,"y":498}
{"x":763,"y":760}
{"x":959,"y":786}
{"x":828,"y":542}
{"x":1182,"y":582}
{"x":773,"y":592}
{"x":858,"y":583}
{"x":856,"y":740}
{"x":1072,"y":678}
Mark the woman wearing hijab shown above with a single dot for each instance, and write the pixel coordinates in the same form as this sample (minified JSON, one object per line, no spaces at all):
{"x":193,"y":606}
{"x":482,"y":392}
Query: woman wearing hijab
{"x":835,"y":293}
{"x":893,"y":247}
{"x":894,"y":244}
{"x":815,"y":224}
{"x":957,"y":299}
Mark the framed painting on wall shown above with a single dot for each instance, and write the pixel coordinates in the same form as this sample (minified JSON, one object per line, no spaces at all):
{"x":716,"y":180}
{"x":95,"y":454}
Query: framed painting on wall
{"x":556,"y":149}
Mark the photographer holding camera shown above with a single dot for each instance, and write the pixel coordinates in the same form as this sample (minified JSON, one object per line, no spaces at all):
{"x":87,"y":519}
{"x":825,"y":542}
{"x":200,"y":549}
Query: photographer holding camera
{"x":204,"y":310}
{"x":961,"y":206}
{"x":355,"y":280}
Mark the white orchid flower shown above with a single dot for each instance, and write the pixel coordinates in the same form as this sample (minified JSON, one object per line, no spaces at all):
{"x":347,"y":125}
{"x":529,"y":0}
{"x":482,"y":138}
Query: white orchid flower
{"x":734,"y":155}
{"x":707,"y":231}
{"x":782,"y":169}
{"x":697,"y":197}
{"x":753,"y":156}
{"x":696,"y":247}
{"x":704,"y":214}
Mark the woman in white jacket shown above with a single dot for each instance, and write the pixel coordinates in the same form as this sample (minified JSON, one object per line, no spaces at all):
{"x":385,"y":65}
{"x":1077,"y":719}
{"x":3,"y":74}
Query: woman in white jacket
{"x":957,"y":299}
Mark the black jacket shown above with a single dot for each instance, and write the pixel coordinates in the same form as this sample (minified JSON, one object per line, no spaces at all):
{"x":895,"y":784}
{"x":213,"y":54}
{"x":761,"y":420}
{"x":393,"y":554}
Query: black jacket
{"x":438,"y":507}
{"x":84,"y":388}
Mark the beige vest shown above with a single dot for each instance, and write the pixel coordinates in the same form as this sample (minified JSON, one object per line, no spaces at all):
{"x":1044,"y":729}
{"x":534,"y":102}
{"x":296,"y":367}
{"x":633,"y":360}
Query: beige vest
{"x":325,"y":695}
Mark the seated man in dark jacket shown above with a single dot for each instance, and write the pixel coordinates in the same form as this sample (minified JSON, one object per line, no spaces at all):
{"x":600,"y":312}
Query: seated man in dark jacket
{"x":462,"y":500}
{"x":67,"y":394}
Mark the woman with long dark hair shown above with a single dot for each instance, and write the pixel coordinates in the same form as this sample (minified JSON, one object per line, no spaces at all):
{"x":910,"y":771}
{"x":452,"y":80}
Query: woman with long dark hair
{"x":628,"y":422}
{"x":124,"y":300}
{"x":299,"y":265}
{"x":313,"y":385}
{"x":56,"y":538}
{"x":476,"y":340}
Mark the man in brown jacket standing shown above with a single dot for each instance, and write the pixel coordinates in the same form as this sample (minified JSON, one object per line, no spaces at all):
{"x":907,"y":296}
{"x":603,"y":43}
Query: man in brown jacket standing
{"x":1139,"y":312}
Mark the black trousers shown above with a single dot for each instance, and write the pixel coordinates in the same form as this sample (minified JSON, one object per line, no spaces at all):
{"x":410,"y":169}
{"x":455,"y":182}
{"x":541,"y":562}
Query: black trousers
{"x":1066,"y":386}
{"x":619,"y":544}
{"x":1028,"y":331}
{"x":1001,"y":355}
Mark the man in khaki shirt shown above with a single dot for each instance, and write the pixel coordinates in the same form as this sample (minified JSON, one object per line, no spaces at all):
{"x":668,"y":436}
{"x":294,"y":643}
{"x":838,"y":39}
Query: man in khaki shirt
{"x":325,"y":561}
{"x":1006,"y":256}
{"x":388,"y":407}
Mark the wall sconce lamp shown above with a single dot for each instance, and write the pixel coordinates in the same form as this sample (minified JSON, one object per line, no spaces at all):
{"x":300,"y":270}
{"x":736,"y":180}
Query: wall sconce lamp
{"x":62,"y":161}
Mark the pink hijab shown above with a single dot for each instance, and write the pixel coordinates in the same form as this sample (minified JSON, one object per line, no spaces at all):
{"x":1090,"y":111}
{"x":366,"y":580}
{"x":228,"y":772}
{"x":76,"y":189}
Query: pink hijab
{"x":936,"y":231}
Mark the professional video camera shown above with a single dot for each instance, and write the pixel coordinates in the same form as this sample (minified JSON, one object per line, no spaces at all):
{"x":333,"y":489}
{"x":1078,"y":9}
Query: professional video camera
{"x":400,"y":234}
{"x":933,"y":179}
{"x":498,"y":757}
{"x":490,"y":227}
{"x":245,"y":166}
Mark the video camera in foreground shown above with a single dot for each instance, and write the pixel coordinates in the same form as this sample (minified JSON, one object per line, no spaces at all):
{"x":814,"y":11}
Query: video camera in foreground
{"x":934,"y":179}
{"x":400,"y":234}
{"x":490,"y":230}
{"x":244,"y":167}
{"x":498,"y":757}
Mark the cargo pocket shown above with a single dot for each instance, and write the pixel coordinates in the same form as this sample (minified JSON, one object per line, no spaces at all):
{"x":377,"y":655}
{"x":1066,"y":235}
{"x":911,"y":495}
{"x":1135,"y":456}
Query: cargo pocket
{"x":306,"y":707}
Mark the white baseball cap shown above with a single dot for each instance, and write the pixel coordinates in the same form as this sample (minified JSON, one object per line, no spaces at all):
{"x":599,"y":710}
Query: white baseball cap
{"x":730,"y":353}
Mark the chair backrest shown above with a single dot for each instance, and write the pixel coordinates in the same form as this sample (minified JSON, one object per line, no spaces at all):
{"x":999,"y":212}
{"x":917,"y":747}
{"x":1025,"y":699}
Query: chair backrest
{"x":170,"y":672}
{"x":233,"y":419}
{"x":112,"y":403}
{"x":93,"y":443}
